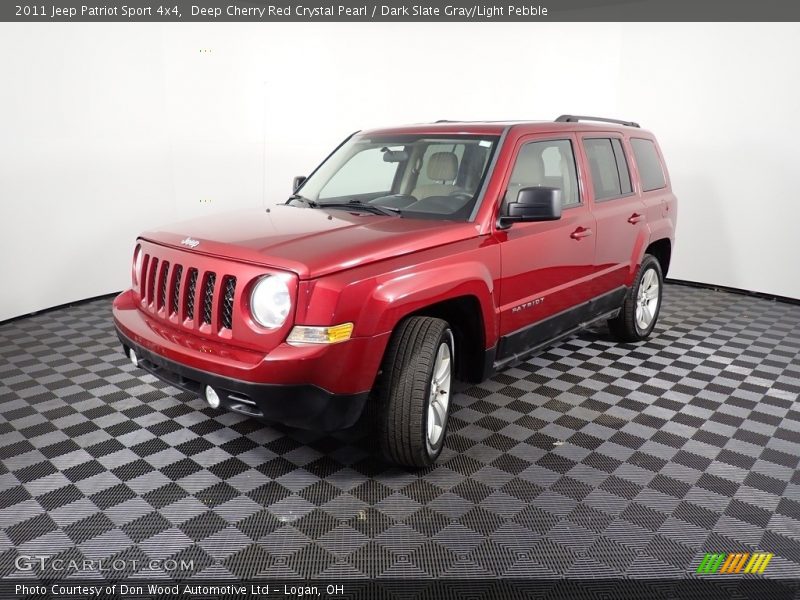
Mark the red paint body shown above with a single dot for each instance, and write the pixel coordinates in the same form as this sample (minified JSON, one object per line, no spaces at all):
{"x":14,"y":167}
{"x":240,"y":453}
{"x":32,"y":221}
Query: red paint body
{"x":374,"y":270}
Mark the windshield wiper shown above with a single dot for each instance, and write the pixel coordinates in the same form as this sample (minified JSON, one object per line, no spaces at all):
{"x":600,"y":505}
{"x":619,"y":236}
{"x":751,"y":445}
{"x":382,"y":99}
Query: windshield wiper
{"x":359,"y":205}
{"x":304,"y":200}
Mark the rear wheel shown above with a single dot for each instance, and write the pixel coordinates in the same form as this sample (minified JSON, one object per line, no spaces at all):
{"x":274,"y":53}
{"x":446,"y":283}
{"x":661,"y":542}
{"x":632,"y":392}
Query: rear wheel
{"x":415,"y":391}
{"x":642,"y":304}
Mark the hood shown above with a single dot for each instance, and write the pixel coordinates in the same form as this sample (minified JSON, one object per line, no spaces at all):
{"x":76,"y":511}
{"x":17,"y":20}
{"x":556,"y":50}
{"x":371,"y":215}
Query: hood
{"x":309,"y":241}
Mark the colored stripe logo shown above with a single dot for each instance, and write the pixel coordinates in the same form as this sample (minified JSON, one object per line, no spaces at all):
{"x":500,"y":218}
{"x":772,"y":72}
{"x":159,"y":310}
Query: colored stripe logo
{"x":740,"y":562}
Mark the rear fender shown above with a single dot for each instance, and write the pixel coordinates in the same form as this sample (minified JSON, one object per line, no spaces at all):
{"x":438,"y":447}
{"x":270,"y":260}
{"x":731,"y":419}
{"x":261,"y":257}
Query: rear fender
{"x":642,"y":241}
{"x":663,"y":228}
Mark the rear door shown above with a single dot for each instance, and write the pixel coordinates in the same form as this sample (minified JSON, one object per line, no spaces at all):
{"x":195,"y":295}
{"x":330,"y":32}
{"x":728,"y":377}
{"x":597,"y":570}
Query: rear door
{"x":547,"y":265}
{"x":618,"y":210}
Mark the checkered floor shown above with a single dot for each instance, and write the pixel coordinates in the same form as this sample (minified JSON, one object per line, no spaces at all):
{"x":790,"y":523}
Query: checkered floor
{"x":592,"y":459}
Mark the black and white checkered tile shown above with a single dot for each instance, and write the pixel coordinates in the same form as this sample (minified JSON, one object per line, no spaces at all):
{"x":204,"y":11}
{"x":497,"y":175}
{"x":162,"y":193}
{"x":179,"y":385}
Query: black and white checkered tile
{"x":592,"y":459}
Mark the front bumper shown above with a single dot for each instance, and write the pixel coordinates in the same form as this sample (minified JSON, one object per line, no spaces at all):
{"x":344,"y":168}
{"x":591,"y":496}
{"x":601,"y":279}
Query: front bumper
{"x":303,"y":406}
{"x":316,"y":387}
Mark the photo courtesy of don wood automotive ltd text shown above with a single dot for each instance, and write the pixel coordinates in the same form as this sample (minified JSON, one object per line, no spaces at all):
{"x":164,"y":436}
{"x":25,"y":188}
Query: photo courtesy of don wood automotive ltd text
{"x":397,"y":300}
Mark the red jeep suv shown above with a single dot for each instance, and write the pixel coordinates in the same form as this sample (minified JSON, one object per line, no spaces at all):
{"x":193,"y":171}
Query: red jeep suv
{"x":410,"y":257}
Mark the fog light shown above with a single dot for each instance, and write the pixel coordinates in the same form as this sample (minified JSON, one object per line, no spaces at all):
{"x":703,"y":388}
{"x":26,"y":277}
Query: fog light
{"x":132,"y":356}
{"x":212,"y":397}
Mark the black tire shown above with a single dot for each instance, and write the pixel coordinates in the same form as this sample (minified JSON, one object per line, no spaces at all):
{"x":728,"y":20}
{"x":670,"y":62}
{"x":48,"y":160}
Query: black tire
{"x":624,"y":327}
{"x":405,"y":388}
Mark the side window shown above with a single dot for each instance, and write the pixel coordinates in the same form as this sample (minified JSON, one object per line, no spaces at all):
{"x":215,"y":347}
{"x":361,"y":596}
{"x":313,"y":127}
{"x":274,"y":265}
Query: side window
{"x":650,"y":171}
{"x":365,"y":172}
{"x":622,"y":166}
{"x":603,"y":165}
{"x":548,"y":163}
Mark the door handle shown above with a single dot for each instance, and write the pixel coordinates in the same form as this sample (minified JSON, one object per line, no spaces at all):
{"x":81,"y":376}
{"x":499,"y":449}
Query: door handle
{"x":635,"y":218}
{"x":580,"y":232}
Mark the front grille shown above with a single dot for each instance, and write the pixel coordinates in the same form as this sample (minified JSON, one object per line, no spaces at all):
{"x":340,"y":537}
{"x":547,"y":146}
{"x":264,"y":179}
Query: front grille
{"x":190,"y":291}
{"x":208,"y":297}
{"x":173,"y":291}
{"x":162,"y":288}
{"x":228,"y":292}
{"x":176,"y":290}
{"x":151,"y":280}
{"x":143,"y":276}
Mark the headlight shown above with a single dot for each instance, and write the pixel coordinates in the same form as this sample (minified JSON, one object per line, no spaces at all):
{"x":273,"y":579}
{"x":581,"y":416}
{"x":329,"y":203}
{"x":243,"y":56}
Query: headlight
{"x":138,"y":257}
{"x":270,"y":302}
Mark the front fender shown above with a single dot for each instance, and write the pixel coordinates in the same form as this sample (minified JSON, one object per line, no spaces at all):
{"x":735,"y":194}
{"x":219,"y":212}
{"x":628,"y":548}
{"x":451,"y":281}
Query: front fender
{"x":376,"y":297}
{"x":400,"y":296}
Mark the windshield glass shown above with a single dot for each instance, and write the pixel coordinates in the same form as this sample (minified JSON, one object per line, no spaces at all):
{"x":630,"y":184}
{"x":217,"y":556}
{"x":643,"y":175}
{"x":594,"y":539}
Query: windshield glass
{"x":433,"y":177}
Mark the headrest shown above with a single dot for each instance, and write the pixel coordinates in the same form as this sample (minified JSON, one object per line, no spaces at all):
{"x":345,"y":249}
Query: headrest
{"x":529,"y":168}
{"x":443,"y":166}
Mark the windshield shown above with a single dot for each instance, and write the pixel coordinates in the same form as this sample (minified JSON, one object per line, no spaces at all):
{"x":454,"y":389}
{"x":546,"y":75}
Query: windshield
{"x":433,"y":177}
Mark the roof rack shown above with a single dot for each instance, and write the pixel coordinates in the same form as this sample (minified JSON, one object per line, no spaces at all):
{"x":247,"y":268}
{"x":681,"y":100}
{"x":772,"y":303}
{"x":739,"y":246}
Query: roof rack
{"x":576,"y":118}
{"x":480,"y":121}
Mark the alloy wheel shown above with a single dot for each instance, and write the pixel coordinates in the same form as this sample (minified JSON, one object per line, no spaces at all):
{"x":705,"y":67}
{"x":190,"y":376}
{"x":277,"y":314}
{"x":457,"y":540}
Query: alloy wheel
{"x":439,"y":396}
{"x":647,"y":299}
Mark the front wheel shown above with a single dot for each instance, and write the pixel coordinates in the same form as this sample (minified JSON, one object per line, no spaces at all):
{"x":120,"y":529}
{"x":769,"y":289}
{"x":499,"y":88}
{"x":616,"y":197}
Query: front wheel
{"x":415,"y":391}
{"x":642,"y":304}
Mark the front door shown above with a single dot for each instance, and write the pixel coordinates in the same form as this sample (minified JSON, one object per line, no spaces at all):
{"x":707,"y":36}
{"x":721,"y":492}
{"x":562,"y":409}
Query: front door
{"x":547,"y":266}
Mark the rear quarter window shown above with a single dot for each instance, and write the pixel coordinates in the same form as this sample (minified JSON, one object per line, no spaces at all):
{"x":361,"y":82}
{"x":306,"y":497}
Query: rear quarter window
{"x":648,"y":162}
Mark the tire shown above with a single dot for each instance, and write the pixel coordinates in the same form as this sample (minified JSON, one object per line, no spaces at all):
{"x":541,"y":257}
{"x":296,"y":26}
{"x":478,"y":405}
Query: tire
{"x":632,"y":323}
{"x":407,"y":389}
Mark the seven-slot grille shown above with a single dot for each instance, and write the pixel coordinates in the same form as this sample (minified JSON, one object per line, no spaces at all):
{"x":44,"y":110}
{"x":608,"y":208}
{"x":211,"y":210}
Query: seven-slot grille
{"x":187,"y":294}
{"x":208,"y":297}
{"x":228,"y":292}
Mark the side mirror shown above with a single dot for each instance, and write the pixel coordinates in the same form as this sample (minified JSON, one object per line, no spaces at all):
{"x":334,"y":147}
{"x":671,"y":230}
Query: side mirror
{"x":298,"y":181}
{"x":533,"y":204}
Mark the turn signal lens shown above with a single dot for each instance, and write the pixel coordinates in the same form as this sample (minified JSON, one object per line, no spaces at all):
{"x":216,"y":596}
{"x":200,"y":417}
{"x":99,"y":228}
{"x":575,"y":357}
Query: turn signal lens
{"x":302,"y":334}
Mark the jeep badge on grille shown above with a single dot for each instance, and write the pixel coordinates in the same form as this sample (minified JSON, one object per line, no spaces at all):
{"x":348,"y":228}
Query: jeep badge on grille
{"x":190,"y":242}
